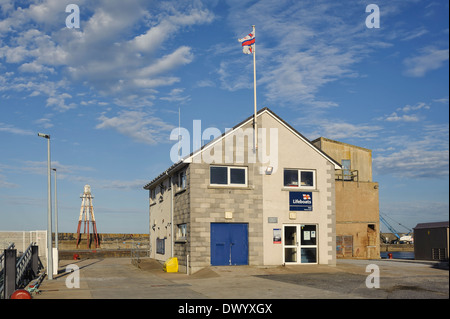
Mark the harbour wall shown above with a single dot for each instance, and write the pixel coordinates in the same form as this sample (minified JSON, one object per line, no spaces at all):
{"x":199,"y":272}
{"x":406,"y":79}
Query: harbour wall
{"x":396,"y":247}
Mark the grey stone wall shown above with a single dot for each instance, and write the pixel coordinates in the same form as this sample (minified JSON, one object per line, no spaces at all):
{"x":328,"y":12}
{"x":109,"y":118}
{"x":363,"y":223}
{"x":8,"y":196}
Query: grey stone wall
{"x":209,"y":204}
{"x":181,"y":215}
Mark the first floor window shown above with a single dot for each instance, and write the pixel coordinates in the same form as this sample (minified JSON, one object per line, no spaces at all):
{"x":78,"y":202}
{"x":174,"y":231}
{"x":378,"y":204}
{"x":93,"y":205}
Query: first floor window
{"x":290,"y":177}
{"x":181,"y":180}
{"x":228,"y":175}
{"x":219,"y":175}
{"x":237,"y":176}
{"x":152,"y":195}
{"x":299,"y":178}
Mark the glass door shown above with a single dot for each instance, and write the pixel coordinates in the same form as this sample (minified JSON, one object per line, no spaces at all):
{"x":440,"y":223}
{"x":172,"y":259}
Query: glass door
{"x":308,"y":244}
{"x":300,"y":244}
{"x":290,"y":244}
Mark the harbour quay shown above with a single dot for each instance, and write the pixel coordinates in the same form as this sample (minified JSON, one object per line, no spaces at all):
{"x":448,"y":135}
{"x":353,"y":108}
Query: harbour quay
{"x":118,"y":278}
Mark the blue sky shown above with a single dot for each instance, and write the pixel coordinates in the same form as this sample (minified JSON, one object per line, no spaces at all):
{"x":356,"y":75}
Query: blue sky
{"x":108,"y":93}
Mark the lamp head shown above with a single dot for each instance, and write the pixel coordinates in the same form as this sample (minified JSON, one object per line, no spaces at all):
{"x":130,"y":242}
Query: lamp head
{"x":44,"y":135}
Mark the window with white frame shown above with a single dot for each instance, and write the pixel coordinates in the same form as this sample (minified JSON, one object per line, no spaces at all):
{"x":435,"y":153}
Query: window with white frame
{"x":181,"y":231}
{"x":299,"y":178}
{"x":228,"y":176}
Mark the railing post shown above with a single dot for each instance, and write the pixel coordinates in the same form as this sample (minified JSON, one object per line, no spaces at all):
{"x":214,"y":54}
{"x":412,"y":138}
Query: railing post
{"x":35,"y":259}
{"x":9,"y":272}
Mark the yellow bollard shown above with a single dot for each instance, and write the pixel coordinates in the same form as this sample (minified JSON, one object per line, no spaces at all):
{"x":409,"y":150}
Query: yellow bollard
{"x":171,"y":265}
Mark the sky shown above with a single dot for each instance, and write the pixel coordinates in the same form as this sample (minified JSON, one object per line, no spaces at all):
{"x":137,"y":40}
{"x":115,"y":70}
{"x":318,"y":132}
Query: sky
{"x":110,"y":92}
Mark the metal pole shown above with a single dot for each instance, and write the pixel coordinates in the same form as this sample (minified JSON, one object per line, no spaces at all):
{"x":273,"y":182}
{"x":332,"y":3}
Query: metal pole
{"x":9,"y":272}
{"x":49,"y":211}
{"x":56,"y":214}
{"x":254,"y":90}
{"x":49,"y":214}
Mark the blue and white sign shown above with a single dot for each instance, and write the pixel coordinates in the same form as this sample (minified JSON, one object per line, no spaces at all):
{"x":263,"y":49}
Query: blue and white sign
{"x":300,"y":201}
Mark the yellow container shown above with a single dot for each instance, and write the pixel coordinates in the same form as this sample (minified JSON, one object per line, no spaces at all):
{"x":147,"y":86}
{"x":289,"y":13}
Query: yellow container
{"x":171,"y":265}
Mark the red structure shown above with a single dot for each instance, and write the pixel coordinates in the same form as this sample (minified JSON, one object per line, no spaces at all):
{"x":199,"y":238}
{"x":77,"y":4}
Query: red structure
{"x":87,"y":215}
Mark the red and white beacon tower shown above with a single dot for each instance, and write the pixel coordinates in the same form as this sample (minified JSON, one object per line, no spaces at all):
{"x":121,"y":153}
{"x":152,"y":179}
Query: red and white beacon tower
{"x":86,"y":215}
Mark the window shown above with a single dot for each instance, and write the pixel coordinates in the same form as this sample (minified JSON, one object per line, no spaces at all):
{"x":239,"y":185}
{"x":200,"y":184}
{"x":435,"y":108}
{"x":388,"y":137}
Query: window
{"x":160,"y":246}
{"x":347,"y":173}
{"x":299,"y":178}
{"x":152,"y":195}
{"x":219,"y":175}
{"x":237,"y":176}
{"x":290,"y":177}
{"x":181,"y":231}
{"x":228,"y":176}
{"x":181,"y":182}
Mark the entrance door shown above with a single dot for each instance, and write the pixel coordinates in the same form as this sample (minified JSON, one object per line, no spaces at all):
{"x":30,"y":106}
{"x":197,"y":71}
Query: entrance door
{"x":300,"y":244}
{"x":229,"y":244}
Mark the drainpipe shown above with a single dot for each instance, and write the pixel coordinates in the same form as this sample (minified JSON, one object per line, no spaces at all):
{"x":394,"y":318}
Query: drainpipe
{"x":171,"y":214}
{"x":187,"y":264}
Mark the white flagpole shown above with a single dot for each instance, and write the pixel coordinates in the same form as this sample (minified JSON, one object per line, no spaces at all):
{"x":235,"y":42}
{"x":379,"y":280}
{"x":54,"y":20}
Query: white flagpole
{"x":254,"y":90}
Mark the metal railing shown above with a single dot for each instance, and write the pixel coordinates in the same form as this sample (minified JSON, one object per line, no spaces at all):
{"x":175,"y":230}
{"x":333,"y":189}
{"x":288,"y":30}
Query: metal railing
{"x":2,"y":257}
{"x":20,"y":271}
{"x":347,"y":175}
{"x":23,"y":267}
{"x":2,"y":276}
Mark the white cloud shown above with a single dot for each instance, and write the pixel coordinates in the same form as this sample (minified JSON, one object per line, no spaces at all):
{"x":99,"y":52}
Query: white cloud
{"x":7,"y":128}
{"x":168,"y":62}
{"x":342,"y":130}
{"x":397,"y":116}
{"x":429,"y":58}
{"x":176,"y":96}
{"x":310,"y":45}
{"x":298,"y":76}
{"x":416,"y":33}
{"x":5,"y":184}
{"x":35,"y":67}
{"x":140,"y":126}
{"x":44,"y":122}
{"x":100,"y":54}
{"x":335,"y":129}
{"x":418,"y":106}
{"x":402,"y":118}
{"x":426,"y":156}
{"x":442,"y":100}
{"x":59,"y":101}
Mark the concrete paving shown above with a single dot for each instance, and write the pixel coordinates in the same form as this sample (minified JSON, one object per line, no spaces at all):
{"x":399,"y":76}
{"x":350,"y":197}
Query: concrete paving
{"x":117,"y":278}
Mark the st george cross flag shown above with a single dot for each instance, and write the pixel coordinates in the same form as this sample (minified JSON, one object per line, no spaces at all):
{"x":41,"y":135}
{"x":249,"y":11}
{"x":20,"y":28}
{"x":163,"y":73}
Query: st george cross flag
{"x":248,"y":42}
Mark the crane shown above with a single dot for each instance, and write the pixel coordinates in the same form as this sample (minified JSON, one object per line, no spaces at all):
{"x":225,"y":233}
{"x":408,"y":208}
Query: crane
{"x":405,"y":238}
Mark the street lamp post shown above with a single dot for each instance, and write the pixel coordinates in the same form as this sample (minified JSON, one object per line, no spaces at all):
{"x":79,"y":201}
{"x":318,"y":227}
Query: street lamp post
{"x":56,"y":214}
{"x":49,"y":212}
{"x":56,"y":255}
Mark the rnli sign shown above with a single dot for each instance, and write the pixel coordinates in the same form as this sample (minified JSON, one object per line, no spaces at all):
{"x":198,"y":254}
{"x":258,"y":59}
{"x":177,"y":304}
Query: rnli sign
{"x":300,"y":201}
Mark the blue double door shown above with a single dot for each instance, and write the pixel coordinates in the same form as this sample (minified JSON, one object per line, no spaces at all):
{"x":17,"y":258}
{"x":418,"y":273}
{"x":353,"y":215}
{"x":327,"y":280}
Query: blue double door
{"x":229,"y":244}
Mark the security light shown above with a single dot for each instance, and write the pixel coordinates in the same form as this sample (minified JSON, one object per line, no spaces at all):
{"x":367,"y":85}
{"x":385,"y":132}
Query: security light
{"x":43,"y":135}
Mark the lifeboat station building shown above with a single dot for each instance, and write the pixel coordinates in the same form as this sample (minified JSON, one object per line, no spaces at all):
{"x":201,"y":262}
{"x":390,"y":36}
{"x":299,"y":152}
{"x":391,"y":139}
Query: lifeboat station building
{"x":246,"y":199}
